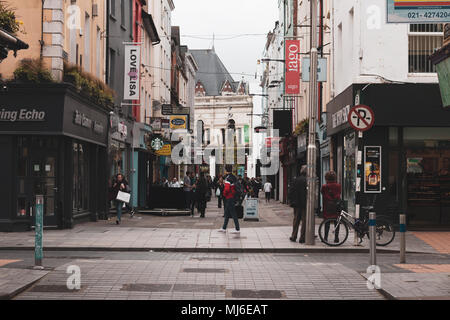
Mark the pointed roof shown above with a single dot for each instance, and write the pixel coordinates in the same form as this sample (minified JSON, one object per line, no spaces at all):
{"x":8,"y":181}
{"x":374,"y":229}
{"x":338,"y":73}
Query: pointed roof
{"x":212,"y":72}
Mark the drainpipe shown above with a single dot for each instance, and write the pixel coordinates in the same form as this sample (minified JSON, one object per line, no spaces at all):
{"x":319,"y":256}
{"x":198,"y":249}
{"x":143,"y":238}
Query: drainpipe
{"x":41,"y":42}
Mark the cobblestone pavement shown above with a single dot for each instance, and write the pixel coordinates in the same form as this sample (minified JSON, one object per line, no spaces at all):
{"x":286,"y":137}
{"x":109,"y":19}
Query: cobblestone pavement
{"x":210,"y":277}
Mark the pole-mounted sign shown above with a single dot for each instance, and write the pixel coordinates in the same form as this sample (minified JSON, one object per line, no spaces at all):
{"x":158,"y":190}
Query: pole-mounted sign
{"x":361,"y":118}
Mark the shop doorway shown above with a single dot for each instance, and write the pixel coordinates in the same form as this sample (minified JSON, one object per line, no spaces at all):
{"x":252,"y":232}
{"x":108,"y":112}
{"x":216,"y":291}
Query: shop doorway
{"x":37,"y":168}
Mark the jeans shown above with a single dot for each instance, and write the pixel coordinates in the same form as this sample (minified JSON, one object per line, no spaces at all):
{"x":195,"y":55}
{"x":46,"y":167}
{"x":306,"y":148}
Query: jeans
{"x":219,"y":204}
{"x":119,"y":205}
{"x":327,"y":230}
{"x":230,"y":212}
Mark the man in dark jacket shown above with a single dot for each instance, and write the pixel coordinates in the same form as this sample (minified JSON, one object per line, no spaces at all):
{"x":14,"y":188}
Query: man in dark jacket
{"x":298,"y":201}
{"x":229,"y":195}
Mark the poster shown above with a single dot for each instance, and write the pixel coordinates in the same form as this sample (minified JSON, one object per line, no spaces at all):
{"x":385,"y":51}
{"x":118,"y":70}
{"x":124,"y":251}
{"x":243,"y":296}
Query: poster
{"x":418,"y":11}
{"x":132,"y":72}
{"x":372,"y":169}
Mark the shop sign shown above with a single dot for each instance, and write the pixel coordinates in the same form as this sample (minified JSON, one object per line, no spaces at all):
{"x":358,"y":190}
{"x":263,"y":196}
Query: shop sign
{"x":292,"y":67}
{"x":98,"y":127}
{"x":132,"y":72}
{"x":166,"y":150}
{"x":165,"y":123}
{"x":246,"y":133}
{"x":157,"y":143}
{"x":82,"y":120}
{"x":123,"y":130}
{"x":251,"y":209}
{"x":340,"y":117}
{"x":178,"y":122}
{"x":321,"y":69}
{"x":166,"y":109}
{"x":155,"y":123}
{"x":418,"y":11}
{"x":301,"y":143}
{"x":372,"y":169}
{"x":21,"y":115}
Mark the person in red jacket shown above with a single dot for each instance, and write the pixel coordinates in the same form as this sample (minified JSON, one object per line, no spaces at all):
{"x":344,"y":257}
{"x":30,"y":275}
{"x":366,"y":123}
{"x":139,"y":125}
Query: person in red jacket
{"x":229,"y":196}
{"x":331,"y":191}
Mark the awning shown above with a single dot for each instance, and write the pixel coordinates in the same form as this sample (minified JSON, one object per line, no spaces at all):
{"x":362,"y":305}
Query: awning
{"x":150,"y":27}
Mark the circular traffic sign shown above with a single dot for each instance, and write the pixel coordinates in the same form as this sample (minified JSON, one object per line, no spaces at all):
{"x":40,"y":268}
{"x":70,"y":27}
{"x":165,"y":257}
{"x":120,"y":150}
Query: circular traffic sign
{"x":361,"y":118}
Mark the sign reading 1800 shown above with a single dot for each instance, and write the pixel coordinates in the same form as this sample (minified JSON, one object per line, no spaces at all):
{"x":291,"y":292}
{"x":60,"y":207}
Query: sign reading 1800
{"x":418,"y":11}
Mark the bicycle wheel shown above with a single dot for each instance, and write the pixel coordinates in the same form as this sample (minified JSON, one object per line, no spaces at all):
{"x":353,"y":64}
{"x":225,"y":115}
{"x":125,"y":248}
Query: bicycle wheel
{"x":384,"y":232}
{"x":333,"y":235}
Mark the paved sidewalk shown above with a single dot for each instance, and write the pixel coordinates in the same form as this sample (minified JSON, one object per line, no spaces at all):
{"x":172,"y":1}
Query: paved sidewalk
{"x":14,"y":281}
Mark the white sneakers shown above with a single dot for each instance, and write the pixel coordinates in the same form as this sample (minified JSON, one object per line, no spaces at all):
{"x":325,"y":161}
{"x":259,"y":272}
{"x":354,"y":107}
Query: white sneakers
{"x":233,"y":232}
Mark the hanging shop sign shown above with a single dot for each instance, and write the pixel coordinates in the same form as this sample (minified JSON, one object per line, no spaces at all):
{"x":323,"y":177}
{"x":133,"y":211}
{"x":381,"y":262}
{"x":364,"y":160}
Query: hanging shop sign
{"x":155,"y":123}
{"x":372,"y":169}
{"x":132,"y":72}
{"x":178,"y":122}
{"x":157,"y":143}
{"x":418,"y":11}
{"x":246,"y":133}
{"x":292,"y":67}
{"x":21,"y":115}
{"x":165,"y":123}
{"x":122,"y":130}
{"x":321,"y":69}
{"x":361,"y":118}
{"x":166,"y":150}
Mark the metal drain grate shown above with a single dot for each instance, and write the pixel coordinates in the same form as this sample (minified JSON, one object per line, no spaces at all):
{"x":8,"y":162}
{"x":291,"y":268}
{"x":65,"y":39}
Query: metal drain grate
{"x":255,"y":294}
{"x":145,"y":287}
{"x":198,"y":288}
{"x":204,"y":270}
{"x":53,"y":288}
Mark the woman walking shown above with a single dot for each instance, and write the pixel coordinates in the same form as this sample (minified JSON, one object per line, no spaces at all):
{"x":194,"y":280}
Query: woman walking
{"x":220,"y":187}
{"x":331,"y":193}
{"x":119,"y":184}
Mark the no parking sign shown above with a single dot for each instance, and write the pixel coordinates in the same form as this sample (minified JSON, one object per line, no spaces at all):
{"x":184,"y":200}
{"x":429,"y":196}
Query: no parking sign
{"x":361,"y":118}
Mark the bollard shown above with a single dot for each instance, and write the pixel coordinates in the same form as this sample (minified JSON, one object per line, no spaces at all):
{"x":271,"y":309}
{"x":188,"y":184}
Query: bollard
{"x":39,"y":226}
{"x":372,"y":235}
{"x":402,"y":238}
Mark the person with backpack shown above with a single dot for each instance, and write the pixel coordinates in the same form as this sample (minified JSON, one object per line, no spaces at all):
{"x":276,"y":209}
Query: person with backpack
{"x":297,"y":200}
{"x":331,"y":194}
{"x":230,"y":195}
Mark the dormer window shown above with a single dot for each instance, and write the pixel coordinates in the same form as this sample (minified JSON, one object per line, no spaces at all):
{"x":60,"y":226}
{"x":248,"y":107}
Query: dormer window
{"x":200,"y":90}
{"x":226,"y":88}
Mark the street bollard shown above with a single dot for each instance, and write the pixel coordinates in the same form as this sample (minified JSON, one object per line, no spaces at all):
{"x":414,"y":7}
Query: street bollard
{"x":39,"y":225}
{"x":372,"y":234}
{"x":402,"y":238}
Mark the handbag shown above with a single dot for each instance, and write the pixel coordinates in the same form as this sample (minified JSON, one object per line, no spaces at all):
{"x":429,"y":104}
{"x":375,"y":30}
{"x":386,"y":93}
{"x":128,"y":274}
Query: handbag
{"x":123,"y":196}
{"x":218,"y":192}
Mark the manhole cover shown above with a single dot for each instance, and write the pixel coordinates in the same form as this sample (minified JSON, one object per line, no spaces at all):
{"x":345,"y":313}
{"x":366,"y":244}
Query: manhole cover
{"x":204,"y":270}
{"x":54,"y":288}
{"x":255,"y":294}
{"x":198,"y":288}
{"x":146,"y":287}
{"x":215,"y":258}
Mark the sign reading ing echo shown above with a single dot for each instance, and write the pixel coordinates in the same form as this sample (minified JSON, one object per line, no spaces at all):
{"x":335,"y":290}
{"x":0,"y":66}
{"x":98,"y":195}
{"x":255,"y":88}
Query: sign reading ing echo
{"x":22,"y":115}
{"x":132,"y":72}
{"x":292,"y":67}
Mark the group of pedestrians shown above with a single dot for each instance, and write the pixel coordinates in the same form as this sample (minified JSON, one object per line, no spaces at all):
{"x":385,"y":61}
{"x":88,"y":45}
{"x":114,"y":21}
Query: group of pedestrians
{"x":197,"y":191}
{"x":331,"y":191}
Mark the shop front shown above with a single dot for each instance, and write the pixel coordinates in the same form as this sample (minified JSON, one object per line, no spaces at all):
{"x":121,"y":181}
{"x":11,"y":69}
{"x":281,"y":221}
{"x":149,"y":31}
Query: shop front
{"x":406,"y":155}
{"x":54,"y":144}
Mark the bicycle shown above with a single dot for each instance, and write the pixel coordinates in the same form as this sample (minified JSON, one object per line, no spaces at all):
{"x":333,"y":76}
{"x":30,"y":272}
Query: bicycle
{"x":383,"y":230}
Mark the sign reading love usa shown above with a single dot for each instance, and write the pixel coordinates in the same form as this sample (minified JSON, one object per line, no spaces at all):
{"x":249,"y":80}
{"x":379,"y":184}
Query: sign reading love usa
{"x":132,"y":72}
{"x":292,"y":67}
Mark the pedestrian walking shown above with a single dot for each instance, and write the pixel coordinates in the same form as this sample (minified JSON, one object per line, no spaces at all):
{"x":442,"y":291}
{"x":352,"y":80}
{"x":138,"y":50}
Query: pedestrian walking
{"x":331,"y":194}
{"x":229,"y":194}
{"x":119,"y":184}
{"x":201,"y":190}
{"x":297,"y":199}
{"x":268,"y":190}
{"x":193,"y":194}
{"x":187,"y":187}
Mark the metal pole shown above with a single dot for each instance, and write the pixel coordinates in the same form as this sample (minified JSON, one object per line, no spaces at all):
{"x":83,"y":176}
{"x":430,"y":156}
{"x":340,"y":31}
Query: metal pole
{"x":38,"y":227}
{"x":402,"y":238}
{"x":312,"y":149}
{"x":359,"y":170}
{"x":373,"y":244}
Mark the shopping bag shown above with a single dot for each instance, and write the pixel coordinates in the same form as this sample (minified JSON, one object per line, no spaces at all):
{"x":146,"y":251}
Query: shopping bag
{"x":218,"y":192}
{"x":123,"y":196}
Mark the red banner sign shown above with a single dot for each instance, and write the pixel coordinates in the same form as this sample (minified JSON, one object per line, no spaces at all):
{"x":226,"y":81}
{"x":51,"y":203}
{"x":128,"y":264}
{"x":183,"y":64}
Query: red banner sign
{"x":292,"y":67}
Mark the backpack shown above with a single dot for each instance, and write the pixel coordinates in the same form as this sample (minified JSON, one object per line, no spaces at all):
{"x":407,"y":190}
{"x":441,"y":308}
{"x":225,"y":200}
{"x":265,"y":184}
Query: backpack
{"x":239,"y":191}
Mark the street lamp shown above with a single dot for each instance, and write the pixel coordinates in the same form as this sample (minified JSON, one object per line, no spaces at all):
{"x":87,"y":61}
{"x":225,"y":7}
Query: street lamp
{"x":10,"y":42}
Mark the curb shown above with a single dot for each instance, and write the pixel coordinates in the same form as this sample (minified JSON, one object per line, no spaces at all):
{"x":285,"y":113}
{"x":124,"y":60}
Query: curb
{"x":215,"y":250}
{"x":11,"y":295}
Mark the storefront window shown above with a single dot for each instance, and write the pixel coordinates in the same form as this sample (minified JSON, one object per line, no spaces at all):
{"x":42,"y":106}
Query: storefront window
{"x":428,"y":175}
{"x":80,"y":186}
{"x":349,"y":185}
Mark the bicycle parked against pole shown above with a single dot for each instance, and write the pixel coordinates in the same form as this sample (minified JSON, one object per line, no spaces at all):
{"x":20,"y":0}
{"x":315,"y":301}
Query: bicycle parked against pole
{"x":337,"y":229}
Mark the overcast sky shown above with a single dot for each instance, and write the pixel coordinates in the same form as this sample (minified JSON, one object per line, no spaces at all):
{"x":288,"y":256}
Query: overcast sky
{"x":227,"y":18}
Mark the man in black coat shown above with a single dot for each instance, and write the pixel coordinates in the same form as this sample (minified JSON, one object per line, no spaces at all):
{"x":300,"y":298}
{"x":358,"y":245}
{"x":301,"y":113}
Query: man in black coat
{"x":298,"y":201}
